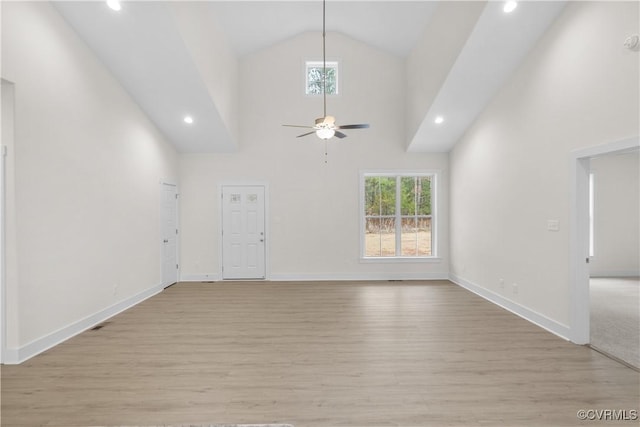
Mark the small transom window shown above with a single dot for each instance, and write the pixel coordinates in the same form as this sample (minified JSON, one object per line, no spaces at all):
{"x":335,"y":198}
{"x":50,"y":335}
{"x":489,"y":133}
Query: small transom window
{"x":314,"y":77}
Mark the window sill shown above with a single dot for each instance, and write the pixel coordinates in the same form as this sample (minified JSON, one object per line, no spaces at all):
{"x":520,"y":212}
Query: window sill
{"x":375,"y":260}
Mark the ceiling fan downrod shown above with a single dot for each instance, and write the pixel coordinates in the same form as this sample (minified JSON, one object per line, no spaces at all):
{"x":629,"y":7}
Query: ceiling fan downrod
{"x":324,"y":57}
{"x":325,"y":127}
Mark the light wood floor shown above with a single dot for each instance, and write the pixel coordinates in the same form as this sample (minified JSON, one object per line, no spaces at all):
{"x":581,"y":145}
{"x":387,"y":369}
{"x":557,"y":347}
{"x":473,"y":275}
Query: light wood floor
{"x":316,"y":354}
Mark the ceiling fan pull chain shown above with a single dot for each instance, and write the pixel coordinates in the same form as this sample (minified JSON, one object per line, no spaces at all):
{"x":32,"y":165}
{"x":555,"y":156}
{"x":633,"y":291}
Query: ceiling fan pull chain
{"x":325,"y":152}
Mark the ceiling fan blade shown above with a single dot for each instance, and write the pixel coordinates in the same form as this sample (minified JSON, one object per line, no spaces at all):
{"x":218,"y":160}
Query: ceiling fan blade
{"x":298,"y":126}
{"x":340,"y":134}
{"x":360,"y":126}
{"x":305,"y":134}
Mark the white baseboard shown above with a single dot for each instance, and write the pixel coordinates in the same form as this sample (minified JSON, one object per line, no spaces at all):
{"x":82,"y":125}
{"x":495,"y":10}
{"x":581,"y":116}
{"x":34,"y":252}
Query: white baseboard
{"x":291,"y":277}
{"x":358,"y":276}
{"x":563,"y":331}
{"x":11,"y":356}
{"x":613,"y":274}
{"x":15,"y":356}
{"x":211,"y":277}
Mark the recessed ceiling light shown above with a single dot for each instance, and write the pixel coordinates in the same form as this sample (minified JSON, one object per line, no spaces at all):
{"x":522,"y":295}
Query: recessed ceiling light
{"x":510,"y":6}
{"x":114,"y":4}
{"x":188,"y":119}
{"x":439,"y":120}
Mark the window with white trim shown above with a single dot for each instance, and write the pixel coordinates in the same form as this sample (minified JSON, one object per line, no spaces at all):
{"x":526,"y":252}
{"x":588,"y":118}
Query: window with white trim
{"x":314,"y":76}
{"x":397,"y":215}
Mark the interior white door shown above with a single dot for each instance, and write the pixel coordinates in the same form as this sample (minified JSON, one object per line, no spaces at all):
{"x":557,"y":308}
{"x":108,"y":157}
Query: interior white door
{"x":169,"y":234}
{"x":243,"y":232}
{"x":7,"y":99}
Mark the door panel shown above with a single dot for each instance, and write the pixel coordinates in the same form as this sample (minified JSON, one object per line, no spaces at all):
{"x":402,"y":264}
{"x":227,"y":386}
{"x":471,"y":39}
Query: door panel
{"x":169,"y":232}
{"x":243,"y":232}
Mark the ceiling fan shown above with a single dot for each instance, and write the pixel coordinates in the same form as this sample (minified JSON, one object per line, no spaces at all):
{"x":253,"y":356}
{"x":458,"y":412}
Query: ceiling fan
{"x":325,"y":127}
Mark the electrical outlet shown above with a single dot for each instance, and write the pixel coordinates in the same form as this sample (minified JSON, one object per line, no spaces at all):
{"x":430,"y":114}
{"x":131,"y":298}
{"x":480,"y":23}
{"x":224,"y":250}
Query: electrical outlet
{"x":501,"y":284}
{"x":515,"y":288}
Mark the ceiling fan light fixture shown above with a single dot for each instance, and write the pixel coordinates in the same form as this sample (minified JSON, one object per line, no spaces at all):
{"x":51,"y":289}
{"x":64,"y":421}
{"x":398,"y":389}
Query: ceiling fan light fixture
{"x":326,"y":121}
{"x":325,"y":133}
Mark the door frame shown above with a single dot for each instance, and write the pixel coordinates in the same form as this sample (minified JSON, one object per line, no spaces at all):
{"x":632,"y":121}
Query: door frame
{"x":3,"y":292}
{"x":267,"y":229}
{"x":7,"y":93}
{"x":580,"y":161}
{"x":175,"y":185}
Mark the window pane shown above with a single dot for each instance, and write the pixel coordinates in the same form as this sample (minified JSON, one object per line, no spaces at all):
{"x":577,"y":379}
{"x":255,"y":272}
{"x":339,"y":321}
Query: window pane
{"x":314,"y":79}
{"x":397,"y":211}
{"x":416,"y":236}
{"x":416,"y":195}
{"x":380,"y":195}
{"x":380,"y":237}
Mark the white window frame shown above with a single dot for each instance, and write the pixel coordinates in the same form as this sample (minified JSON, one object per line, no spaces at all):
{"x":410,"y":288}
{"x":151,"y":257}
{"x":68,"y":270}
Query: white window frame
{"x":434,"y":215}
{"x":335,"y":64}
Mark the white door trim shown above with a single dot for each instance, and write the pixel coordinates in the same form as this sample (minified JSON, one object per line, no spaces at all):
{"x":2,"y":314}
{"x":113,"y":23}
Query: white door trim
{"x":3,"y":292}
{"x":579,"y":233}
{"x":7,"y":92}
{"x":267,"y":230}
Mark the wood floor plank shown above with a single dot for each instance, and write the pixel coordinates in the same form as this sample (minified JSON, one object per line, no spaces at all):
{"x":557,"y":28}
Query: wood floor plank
{"x":315,"y":354}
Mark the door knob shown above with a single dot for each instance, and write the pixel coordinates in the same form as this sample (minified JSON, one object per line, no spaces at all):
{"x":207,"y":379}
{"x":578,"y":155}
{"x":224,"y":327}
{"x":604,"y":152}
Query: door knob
{"x":166,"y":241}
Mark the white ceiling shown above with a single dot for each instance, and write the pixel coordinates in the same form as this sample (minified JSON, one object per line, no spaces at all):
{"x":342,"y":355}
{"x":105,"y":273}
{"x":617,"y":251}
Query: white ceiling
{"x":494,"y":49}
{"x":393,"y":26}
{"x":145,"y":50}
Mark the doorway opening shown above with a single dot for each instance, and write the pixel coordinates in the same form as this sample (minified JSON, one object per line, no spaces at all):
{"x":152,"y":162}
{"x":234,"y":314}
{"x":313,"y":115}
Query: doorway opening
{"x":580,"y":226}
{"x":614,"y":264}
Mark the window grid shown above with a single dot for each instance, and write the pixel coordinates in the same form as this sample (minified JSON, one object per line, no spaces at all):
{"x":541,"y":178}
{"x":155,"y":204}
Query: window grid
{"x":313,"y":77}
{"x":408,"y":230}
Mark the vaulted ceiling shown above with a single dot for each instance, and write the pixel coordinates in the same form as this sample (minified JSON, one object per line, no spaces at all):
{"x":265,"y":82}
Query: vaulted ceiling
{"x":161,"y":52}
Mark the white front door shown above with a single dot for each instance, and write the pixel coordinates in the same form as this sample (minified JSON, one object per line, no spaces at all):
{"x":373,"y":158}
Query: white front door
{"x":169,"y":234}
{"x":243,"y":232}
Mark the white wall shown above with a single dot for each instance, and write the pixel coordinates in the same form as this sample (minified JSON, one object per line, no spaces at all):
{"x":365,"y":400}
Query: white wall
{"x":617,"y":215}
{"x":314,"y":215}
{"x":510,"y":172}
{"x":87,"y":169}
